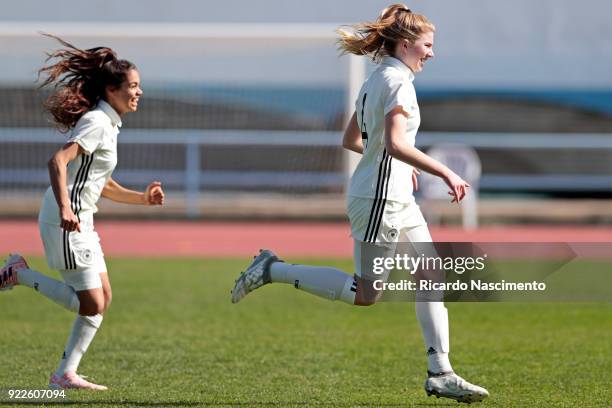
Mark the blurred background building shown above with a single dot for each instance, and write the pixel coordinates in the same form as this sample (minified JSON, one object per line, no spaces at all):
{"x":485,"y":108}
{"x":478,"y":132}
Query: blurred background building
{"x":245,"y":103}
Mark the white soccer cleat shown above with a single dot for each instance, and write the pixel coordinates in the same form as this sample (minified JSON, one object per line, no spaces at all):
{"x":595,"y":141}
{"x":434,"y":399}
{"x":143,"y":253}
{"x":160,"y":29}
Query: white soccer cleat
{"x":450,"y":385}
{"x":73,"y":381}
{"x":256,"y":275}
{"x":8,"y":273}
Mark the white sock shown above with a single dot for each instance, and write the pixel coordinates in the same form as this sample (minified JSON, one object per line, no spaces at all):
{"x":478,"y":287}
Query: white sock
{"x":433,"y":318}
{"x":325,"y":282}
{"x":83,"y":331}
{"x":55,"y":290}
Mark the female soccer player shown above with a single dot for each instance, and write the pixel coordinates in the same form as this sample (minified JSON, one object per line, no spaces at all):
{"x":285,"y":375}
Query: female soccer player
{"x":93,"y":89}
{"x":381,"y":208}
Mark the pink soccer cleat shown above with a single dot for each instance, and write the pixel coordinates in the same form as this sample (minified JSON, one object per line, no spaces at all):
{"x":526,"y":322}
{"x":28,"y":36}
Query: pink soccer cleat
{"x":73,"y":381}
{"x":8,"y":273}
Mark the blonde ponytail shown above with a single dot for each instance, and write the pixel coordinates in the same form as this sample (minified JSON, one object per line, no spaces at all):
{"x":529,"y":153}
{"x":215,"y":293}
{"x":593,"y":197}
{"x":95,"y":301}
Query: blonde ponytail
{"x":377,"y":39}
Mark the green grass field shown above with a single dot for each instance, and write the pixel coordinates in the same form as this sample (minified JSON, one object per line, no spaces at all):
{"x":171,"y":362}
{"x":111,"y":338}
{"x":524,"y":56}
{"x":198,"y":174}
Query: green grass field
{"x":172,"y":338}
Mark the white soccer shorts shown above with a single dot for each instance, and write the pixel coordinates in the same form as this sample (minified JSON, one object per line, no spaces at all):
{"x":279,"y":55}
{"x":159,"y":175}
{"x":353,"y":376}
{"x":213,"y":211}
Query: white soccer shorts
{"x":387,"y":222}
{"x":77,"y":255}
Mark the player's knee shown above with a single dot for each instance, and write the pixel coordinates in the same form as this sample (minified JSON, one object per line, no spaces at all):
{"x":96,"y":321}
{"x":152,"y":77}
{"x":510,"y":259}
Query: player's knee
{"x":100,"y":307}
{"x":364,"y":302}
{"x":367,"y":299}
{"x":366,"y":295}
{"x":91,"y":308}
{"x":108,"y":298}
{"x":107,"y":305}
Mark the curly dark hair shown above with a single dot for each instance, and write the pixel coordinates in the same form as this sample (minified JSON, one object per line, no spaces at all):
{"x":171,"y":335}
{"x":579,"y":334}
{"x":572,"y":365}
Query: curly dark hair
{"x":80,"y":79}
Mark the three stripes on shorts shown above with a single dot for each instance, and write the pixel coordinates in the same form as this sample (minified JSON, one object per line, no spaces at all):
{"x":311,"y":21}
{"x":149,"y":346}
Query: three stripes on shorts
{"x":380,"y":199}
{"x":75,"y":203}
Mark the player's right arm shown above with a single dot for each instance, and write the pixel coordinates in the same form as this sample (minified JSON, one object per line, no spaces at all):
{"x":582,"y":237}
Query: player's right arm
{"x":395,"y":131}
{"x":352,"y":136}
{"x":57,"y":174}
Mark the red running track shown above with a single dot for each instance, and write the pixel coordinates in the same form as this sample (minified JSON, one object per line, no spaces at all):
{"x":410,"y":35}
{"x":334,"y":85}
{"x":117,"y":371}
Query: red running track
{"x":230,"y":239}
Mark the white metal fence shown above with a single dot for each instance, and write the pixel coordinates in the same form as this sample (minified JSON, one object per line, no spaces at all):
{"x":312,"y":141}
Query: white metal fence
{"x":190,"y":175}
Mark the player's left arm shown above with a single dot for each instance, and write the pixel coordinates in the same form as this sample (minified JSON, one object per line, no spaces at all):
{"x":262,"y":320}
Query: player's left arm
{"x":153,"y":195}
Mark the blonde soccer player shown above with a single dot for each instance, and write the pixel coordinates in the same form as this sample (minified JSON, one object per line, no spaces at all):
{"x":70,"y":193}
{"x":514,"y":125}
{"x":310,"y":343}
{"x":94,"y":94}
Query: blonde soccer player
{"x":93,"y":90}
{"x":380,"y":205}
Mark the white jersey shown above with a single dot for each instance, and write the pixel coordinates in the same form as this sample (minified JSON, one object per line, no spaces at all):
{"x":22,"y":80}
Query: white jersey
{"x":96,"y":132}
{"x":378,"y":176}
